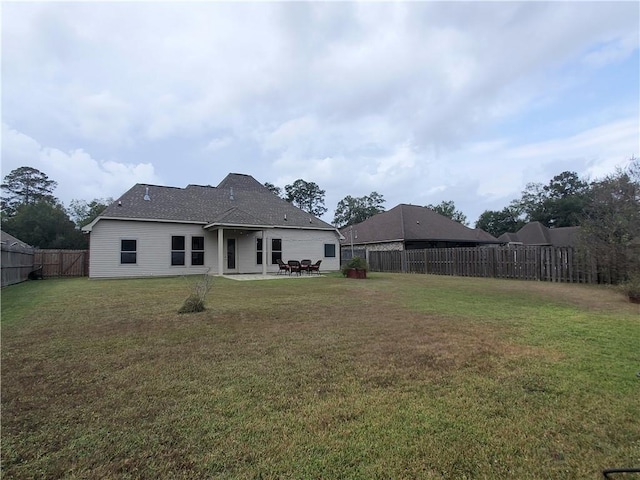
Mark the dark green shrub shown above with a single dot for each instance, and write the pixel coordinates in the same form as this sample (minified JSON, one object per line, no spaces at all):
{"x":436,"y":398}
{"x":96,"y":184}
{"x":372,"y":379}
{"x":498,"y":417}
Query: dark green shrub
{"x":357,"y":263}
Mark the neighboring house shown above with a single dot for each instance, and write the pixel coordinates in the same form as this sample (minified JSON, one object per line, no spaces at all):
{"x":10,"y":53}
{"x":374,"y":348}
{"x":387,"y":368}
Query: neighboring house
{"x":408,"y":227}
{"x":237,"y":227}
{"x":535,"y":233}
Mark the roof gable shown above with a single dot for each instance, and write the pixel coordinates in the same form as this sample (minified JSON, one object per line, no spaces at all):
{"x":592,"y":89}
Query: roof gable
{"x":240,"y":181}
{"x":237,"y":216}
{"x":534,"y":233}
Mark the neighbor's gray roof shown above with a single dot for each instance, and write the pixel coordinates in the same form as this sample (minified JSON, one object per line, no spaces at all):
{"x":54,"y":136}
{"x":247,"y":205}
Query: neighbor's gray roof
{"x":535,"y":233}
{"x":413,"y":223}
{"x":238,"y":200}
{"x":11,"y":243}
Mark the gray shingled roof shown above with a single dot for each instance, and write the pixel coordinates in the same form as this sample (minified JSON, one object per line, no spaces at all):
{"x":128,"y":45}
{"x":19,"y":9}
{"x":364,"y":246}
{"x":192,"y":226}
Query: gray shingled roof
{"x":11,"y":243}
{"x":238,"y":200}
{"x":535,"y":233}
{"x":414,"y":223}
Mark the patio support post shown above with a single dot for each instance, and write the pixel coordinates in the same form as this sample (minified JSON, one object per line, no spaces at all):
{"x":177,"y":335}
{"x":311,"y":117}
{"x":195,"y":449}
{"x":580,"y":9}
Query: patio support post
{"x":265,"y":252}
{"x":220,"y":251}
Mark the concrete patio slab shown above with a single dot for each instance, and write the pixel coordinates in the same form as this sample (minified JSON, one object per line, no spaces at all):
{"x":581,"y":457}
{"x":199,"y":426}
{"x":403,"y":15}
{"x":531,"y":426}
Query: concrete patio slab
{"x":270,"y":276}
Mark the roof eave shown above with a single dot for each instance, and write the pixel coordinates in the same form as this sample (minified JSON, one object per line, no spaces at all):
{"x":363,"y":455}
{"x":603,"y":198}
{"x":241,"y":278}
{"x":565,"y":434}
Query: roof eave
{"x":264,"y":227}
{"x":236,"y":225}
{"x":89,"y":227}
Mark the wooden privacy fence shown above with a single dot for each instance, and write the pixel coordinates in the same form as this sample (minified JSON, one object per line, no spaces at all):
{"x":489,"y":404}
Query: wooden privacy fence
{"x":553,"y":264}
{"x":17,"y":263}
{"x":62,"y":263}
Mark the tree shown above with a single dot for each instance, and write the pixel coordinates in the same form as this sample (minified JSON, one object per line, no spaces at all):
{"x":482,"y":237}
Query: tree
{"x":275,"y":190}
{"x":448,"y":209}
{"x":531,"y":203}
{"x":352,"y":210}
{"x":83,"y":212}
{"x":307,"y":196}
{"x":498,"y":222}
{"x":44,"y":225}
{"x":26,"y":186}
{"x":560,"y":203}
{"x":610,"y":227}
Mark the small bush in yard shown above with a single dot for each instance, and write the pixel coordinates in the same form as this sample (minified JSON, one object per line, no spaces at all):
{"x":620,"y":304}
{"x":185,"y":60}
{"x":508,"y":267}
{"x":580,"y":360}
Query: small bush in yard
{"x":199,"y":289}
{"x":631,"y":289}
{"x":192,"y":304}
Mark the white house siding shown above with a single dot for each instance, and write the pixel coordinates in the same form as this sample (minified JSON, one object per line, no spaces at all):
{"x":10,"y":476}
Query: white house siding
{"x":153,"y":249}
{"x":296,"y":245}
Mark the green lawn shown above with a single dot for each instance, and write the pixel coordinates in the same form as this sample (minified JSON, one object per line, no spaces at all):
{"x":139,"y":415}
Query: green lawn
{"x":396,"y":376}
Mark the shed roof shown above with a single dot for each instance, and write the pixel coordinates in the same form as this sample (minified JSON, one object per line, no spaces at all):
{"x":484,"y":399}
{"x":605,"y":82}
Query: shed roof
{"x":414,"y":223}
{"x":238,"y":200}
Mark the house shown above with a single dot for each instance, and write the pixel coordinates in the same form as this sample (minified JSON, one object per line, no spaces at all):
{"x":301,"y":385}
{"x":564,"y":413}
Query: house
{"x":535,"y":233}
{"x":408,"y":227}
{"x":237,"y":227}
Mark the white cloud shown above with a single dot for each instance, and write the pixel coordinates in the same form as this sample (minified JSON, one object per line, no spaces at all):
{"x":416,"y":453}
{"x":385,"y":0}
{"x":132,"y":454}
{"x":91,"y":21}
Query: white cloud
{"x":415,"y":100}
{"x":292,"y":132}
{"x":79,"y":176}
{"x":104,"y":118}
{"x":218,"y":144}
{"x":591,"y":153}
{"x":611,"y":51}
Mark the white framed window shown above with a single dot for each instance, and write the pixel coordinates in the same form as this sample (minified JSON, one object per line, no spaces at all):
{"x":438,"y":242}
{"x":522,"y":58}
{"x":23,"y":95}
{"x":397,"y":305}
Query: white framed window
{"x":276,"y":250}
{"x":259,"y":251}
{"x":177,"y":250}
{"x":128,"y":251}
{"x":329,"y":249}
{"x":197,"y":250}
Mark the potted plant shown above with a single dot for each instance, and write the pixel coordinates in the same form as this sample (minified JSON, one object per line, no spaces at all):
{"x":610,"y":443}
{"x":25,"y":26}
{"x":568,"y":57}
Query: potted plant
{"x":355,"y":268}
{"x":631,"y":289}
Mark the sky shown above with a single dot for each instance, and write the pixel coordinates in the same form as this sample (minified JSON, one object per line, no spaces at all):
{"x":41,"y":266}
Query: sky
{"x":422,"y":102}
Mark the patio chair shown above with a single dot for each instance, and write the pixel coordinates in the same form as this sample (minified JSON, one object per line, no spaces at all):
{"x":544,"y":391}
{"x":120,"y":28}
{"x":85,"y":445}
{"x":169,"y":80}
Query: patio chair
{"x":294,"y":266}
{"x":315,"y":267}
{"x":304,"y":265}
{"x":282,"y":267}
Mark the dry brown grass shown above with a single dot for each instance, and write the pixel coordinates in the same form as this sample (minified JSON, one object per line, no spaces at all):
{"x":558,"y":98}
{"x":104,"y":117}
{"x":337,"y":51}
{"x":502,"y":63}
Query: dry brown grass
{"x":395,"y":377}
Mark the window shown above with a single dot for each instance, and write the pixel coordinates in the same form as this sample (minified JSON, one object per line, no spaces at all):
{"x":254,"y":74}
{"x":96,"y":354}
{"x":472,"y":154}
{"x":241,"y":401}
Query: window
{"x":128,"y":251}
{"x":177,"y":250}
{"x":197,"y":250}
{"x":259,"y":251}
{"x":329,"y":249}
{"x":276,"y":250}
